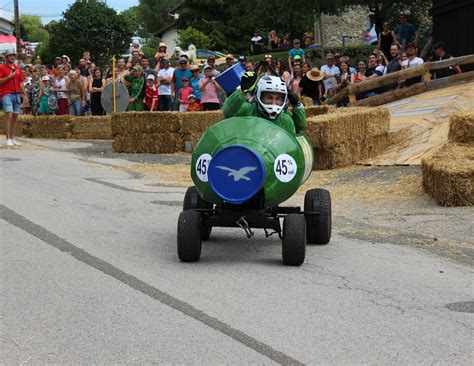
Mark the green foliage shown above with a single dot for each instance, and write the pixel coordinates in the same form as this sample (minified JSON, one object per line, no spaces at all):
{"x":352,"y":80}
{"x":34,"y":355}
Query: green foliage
{"x":153,"y":14}
{"x":191,"y":35}
{"x":32,"y":29}
{"x":133,"y":17}
{"x":45,"y":53}
{"x":149,"y":53}
{"x":91,"y":26}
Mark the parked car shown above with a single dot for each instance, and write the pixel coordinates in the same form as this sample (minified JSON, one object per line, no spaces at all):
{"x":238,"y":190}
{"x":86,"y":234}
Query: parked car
{"x":371,"y":38}
{"x":202,"y":55}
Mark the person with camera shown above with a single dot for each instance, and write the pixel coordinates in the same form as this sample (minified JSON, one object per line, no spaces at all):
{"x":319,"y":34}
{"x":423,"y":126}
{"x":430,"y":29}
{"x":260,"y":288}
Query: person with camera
{"x":209,"y":88}
{"x":11,"y":92}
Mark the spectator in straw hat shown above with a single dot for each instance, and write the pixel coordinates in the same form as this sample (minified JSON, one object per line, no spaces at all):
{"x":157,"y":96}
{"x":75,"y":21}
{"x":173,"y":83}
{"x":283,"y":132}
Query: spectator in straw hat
{"x":311,"y":84}
{"x":161,"y":53}
{"x":11,"y":89}
{"x":136,"y":89}
{"x":229,"y":61}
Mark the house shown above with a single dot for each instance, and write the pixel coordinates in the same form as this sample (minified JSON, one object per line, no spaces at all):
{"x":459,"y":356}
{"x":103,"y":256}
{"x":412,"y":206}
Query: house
{"x":6,"y":23}
{"x":169,"y":33}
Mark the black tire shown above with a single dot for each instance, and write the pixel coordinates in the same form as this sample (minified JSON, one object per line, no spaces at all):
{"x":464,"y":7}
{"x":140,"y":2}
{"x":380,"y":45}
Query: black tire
{"x":192,"y":200}
{"x":189,"y":236}
{"x":318,"y":227}
{"x":294,"y":240}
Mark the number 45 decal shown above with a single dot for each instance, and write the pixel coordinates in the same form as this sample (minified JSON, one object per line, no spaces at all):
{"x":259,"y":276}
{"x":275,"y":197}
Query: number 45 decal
{"x":285,"y":168}
{"x":202,"y":166}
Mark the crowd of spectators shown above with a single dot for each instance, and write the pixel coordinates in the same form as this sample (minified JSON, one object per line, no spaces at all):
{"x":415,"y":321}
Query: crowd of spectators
{"x":75,"y":87}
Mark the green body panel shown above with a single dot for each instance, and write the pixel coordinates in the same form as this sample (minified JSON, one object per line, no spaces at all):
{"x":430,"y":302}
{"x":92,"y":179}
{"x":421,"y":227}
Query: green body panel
{"x":262,"y":136}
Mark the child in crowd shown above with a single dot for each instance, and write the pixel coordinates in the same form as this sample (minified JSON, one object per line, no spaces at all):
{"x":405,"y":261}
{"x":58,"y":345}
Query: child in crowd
{"x":151,"y":94}
{"x":184,"y":94}
{"x":193,"y":105}
{"x":44,"y":96}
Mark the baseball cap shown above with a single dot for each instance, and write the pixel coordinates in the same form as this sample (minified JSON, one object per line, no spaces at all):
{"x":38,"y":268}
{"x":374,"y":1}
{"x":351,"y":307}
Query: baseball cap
{"x":241,"y":58}
{"x":192,"y":96}
{"x":150,"y":77}
{"x":207,"y":66}
{"x":297,"y":57}
{"x":45,"y":78}
{"x":211,"y":58}
{"x":183,"y":58}
{"x":165,"y":60}
{"x":185,"y":78}
{"x":137,"y":68}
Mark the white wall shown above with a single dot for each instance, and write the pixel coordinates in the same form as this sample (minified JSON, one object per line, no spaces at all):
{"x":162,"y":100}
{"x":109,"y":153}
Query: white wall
{"x":170,"y":37}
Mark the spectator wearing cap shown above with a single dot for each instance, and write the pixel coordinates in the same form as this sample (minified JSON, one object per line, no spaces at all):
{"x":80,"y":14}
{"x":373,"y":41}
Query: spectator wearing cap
{"x":229,"y":61}
{"x":211,"y":61}
{"x":311,"y":84}
{"x":136,"y":89}
{"x":242,"y":59}
{"x":181,"y":72}
{"x":256,"y":44}
{"x":43,"y":96}
{"x":65,"y":60}
{"x":440,"y":54}
{"x":412,"y":61}
{"x":11,"y":90}
{"x":193,"y":105}
{"x":296,"y":50}
{"x":165,"y":79}
{"x":151,"y":94}
{"x":209,"y":88}
{"x":330,"y":71}
{"x":404,"y":31}
{"x":184,"y":92}
{"x":77,"y":94}
{"x":161,"y":53}
{"x":194,"y":82}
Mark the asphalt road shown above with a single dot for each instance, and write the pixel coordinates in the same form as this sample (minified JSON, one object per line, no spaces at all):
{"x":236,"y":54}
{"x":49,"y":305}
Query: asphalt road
{"x":89,"y":274}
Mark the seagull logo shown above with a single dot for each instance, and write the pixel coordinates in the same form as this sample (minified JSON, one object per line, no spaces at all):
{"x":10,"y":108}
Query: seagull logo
{"x":238,"y":174}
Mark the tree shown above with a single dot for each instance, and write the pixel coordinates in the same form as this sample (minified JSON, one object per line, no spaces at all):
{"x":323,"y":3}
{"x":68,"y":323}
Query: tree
{"x":133,"y":17}
{"x":91,"y":26}
{"x":153,"y":14}
{"x":32,"y":29}
{"x":191,"y":35}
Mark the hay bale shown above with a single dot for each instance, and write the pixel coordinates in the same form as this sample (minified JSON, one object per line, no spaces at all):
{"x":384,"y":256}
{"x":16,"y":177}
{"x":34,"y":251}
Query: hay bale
{"x":461,"y":127}
{"x":19,"y":128}
{"x":317,"y":110}
{"x":46,"y":126}
{"x":307,"y":101}
{"x":91,"y":127}
{"x":199,"y":122}
{"x":147,"y":143}
{"x":448,"y":175}
{"x":343,"y":138}
{"x":146,"y":122}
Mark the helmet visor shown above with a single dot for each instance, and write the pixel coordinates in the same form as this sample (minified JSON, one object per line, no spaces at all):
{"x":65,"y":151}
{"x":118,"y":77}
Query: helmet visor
{"x":272,"y":98}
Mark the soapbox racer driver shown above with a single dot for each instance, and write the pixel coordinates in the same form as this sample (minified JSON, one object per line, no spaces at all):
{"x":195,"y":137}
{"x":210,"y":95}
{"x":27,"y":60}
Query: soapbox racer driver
{"x":269,"y":101}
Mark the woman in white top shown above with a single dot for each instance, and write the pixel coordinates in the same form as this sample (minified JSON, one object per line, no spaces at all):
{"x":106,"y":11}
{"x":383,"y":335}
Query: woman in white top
{"x":60,"y":87}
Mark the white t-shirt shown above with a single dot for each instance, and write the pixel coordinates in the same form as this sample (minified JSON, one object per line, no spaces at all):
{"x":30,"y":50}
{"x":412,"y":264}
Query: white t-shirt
{"x":256,"y":39}
{"x":333,"y":71}
{"x":165,"y":89}
{"x":415,"y":62}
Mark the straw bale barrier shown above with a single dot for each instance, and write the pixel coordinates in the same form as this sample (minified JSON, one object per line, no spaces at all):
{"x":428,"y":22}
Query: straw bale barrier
{"x":448,"y":175}
{"x":19,"y":128}
{"x":317,"y":110}
{"x":343,"y":138}
{"x":59,"y":127}
{"x":461,"y":127}
{"x":151,"y":143}
{"x":91,"y":127}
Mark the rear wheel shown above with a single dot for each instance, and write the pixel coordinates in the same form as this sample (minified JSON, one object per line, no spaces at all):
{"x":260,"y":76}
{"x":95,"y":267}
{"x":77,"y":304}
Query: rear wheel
{"x":189,"y":236}
{"x":294,"y":240}
{"x":318,"y":226}
{"x":192,"y":200}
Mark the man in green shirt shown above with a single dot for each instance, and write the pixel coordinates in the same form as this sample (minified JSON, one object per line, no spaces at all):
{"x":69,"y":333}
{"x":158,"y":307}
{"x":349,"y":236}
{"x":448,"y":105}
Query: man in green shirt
{"x":135,"y":83}
{"x":269,"y":102}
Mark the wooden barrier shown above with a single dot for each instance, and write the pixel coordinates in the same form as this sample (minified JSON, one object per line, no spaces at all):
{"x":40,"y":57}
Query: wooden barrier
{"x":422,"y":71}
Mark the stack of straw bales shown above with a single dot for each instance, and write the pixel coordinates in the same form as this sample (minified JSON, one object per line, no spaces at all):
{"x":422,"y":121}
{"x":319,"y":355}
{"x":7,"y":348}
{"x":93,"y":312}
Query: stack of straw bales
{"x":348,"y":135}
{"x":317,"y":110}
{"x":91,"y":127}
{"x":145,"y":132}
{"x":59,"y":127}
{"x":194,"y":124}
{"x":448,"y":175}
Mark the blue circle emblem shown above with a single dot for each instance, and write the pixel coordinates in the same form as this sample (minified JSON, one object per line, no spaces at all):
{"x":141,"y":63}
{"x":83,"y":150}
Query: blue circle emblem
{"x":236,"y":173}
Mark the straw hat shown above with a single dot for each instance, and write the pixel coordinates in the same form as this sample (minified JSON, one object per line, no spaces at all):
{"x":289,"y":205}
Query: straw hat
{"x":162,"y":44}
{"x":315,"y":74}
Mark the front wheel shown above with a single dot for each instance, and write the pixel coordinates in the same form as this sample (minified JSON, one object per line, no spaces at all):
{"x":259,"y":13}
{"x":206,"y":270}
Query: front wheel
{"x":294,"y":240}
{"x":192,"y":200}
{"x":318,"y":226}
{"x":189,"y":236}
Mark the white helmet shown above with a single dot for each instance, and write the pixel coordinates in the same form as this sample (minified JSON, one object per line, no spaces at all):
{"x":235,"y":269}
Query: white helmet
{"x":271,"y":84}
